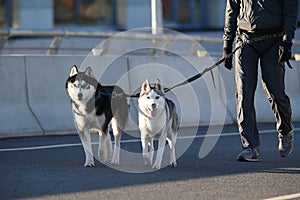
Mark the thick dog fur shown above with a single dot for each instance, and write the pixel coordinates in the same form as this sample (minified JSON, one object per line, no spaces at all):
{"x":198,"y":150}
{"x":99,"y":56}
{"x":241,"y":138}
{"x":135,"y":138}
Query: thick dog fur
{"x":157,"y":119}
{"x":94,"y":107}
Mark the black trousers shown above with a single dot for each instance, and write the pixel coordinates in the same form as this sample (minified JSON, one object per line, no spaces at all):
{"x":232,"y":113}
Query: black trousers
{"x":273,"y":74}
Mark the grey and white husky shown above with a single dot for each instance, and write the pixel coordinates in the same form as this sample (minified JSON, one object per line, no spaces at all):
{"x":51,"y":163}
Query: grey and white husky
{"x":94,"y":107}
{"x":157,"y":119}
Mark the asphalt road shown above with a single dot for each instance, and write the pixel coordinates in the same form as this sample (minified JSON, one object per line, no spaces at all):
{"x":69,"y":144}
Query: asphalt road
{"x":57,"y":172}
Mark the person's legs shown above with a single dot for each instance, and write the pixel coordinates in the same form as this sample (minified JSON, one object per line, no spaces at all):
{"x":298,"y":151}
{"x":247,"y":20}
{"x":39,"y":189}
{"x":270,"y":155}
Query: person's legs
{"x":273,"y":74}
{"x":273,"y":83}
{"x":246,"y":66}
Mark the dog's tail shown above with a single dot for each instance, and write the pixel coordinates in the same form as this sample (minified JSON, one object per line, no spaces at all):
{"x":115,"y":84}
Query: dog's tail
{"x":120,"y":108}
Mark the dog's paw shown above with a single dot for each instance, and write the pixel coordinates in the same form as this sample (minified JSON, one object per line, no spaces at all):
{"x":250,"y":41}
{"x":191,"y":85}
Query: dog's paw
{"x":148,"y":159}
{"x":103,"y":160}
{"x":148,"y":163}
{"x":115,"y":162}
{"x":89,"y":164}
{"x":110,"y":155}
{"x":116,"y":158}
{"x":102,"y":156}
{"x":174,"y":164}
{"x":157,"y":165}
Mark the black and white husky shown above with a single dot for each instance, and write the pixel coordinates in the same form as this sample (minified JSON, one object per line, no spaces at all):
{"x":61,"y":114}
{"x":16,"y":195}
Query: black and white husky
{"x":94,"y":106}
{"x":157,"y":119}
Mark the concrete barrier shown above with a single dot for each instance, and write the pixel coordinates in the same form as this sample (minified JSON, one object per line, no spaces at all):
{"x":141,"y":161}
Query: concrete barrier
{"x":16,"y":117}
{"x":33,"y":99}
{"x":47,"y":97}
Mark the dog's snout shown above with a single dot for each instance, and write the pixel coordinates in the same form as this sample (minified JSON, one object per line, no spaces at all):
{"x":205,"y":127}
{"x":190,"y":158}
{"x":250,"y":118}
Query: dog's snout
{"x":79,"y":95}
{"x":153,"y":105}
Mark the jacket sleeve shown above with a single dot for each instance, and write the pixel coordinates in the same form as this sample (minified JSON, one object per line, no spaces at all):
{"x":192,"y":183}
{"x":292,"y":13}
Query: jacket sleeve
{"x":290,"y":15}
{"x":231,"y":15}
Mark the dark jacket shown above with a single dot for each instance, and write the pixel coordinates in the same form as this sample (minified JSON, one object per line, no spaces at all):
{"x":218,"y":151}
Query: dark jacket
{"x":253,"y":15}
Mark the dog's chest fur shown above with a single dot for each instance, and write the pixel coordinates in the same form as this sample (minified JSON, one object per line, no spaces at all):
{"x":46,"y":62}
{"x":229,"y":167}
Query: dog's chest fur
{"x":86,"y":117}
{"x":153,"y":126}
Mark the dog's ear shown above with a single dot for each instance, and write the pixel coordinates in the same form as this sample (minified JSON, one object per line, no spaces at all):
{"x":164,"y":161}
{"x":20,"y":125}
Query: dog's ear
{"x":158,"y":85}
{"x":145,"y":86}
{"x":74,"y":71}
{"x":89,"y":72}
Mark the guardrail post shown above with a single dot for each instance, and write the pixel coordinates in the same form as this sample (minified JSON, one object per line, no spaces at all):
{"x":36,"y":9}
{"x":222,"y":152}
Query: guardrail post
{"x":54,"y":46}
{"x":156,"y":17}
{"x":156,"y":23}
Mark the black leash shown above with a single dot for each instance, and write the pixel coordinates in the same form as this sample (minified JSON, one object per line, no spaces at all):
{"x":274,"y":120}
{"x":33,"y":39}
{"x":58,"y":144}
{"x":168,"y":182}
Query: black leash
{"x":209,"y":69}
{"x":195,"y":77}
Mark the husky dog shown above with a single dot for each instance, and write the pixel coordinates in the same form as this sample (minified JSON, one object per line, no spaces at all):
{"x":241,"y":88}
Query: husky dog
{"x":157,"y":119}
{"x":94,"y":106}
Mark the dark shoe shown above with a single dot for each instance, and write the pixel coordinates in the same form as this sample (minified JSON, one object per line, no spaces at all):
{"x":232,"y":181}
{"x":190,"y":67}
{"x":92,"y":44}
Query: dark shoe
{"x":286,"y":143}
{"x":249,"y":154}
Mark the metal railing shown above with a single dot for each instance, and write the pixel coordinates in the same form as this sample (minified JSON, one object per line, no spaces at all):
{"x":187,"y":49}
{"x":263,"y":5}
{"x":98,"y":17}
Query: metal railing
{"x":57,"y":36}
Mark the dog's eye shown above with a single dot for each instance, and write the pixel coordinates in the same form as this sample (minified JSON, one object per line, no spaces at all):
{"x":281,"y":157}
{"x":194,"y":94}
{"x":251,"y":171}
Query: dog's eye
{"x":85,"y":85}
{"x":74,"y":85}
{"x":148,"y":97}
{"x":157,"y":97}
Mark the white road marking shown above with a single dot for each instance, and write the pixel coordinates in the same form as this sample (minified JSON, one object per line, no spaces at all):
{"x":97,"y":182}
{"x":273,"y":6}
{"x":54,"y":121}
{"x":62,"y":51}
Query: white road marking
{"x":40,"y":147}
{"x":127,"y":141}
{"x":285,"y":197}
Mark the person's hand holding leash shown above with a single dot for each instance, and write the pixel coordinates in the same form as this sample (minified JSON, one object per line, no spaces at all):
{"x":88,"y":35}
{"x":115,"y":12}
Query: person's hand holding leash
{"x":285,"y":52}
{"x":227,"y":54}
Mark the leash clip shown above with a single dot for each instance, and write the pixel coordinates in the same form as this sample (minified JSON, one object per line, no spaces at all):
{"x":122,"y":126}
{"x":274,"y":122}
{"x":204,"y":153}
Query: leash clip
{"x":114,"y":95}
{"x":246,"y":41}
